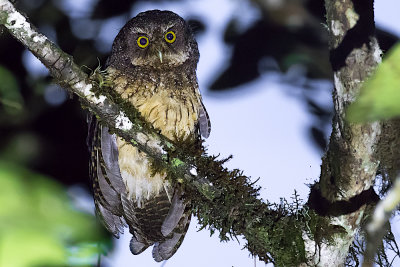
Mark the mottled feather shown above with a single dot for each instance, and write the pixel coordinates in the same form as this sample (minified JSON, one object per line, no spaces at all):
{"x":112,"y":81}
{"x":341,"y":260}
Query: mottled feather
{"x":107,"y":198}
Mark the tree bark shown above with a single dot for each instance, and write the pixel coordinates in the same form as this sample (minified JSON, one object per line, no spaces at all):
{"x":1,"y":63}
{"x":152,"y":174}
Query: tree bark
{"x":350,"y":163}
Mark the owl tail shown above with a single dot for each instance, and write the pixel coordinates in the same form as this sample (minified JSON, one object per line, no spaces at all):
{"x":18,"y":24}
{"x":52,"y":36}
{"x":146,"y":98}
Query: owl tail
{"x":161,"y":250}
{"x":136,"y":246}
{"x":165,"y":249}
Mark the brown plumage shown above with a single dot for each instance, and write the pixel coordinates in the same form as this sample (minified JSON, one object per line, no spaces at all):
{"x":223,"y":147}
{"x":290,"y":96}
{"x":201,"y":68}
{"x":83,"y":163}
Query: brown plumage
{"x":153,"y":66}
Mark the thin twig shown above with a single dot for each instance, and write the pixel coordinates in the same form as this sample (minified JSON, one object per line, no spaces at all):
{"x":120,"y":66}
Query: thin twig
{"x":376,"y":228}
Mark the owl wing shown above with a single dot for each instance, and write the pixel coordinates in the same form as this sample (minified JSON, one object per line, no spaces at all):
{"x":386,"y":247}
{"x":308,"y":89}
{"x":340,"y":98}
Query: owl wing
{"x":105,"y":176}
{"x":204,"y":121}
{"x":116,"y":211}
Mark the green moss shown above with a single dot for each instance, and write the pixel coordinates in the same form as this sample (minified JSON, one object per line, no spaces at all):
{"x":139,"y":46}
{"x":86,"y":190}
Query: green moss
{"x":134,"y":142}
{"x":177,"y":162}
{"x":3,"y":19}
{"x":321,"y":230}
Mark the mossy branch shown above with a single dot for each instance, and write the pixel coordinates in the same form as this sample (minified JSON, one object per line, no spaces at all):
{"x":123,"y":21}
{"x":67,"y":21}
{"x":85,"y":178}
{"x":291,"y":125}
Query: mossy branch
{"x":223,"y":200}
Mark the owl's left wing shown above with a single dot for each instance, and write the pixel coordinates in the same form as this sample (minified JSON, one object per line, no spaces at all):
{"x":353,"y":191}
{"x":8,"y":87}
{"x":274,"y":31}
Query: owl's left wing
{"x":105,"y":176}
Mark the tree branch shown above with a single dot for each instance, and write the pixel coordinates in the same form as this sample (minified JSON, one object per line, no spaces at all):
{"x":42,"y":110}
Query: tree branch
{"x":376,"y":228}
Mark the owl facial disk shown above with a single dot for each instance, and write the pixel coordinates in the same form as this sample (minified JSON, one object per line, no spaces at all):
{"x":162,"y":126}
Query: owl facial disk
{"x":154,"y":39}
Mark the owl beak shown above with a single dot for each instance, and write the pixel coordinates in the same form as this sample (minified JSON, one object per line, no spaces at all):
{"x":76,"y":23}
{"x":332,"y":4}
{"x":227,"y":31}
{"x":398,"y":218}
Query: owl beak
{"x":160,"y":55}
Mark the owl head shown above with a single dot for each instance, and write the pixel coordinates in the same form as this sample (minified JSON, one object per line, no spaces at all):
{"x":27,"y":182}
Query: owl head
{"x":155,"y":39}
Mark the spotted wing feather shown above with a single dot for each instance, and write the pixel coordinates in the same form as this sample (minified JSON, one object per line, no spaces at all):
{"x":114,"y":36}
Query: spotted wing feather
{"x":106,"y":180}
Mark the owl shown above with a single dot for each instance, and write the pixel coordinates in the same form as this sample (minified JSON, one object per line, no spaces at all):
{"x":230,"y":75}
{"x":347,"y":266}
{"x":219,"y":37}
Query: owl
{"x":153,"y":67}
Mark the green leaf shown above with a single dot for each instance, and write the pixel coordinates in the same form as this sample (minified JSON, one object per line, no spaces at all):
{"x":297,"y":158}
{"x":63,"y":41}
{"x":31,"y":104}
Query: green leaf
{"x":380,"y":95}
{"x":38,"y":224}
{"x":10,"y":96}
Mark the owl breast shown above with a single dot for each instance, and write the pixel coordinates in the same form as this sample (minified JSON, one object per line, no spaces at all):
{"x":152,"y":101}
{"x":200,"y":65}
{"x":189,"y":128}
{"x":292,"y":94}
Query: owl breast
{"x":172,"y":110}
{"x":175,"y":117}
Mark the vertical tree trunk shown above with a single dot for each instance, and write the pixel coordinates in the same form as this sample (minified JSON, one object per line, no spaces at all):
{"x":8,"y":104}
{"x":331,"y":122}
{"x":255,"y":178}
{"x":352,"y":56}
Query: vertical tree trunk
{"x":349,"y":166}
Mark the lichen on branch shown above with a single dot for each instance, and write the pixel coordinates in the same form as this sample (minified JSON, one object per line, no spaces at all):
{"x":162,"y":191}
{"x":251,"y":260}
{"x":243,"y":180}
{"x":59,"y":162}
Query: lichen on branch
{"x":223,"y":200}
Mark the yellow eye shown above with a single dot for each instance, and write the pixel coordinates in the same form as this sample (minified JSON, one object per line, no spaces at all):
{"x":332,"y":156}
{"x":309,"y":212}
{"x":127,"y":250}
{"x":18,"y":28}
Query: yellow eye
{"x":143,"y":41}
{"x":170,"y":37}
